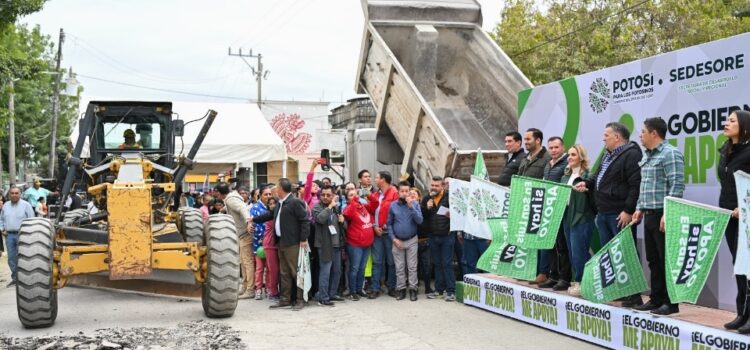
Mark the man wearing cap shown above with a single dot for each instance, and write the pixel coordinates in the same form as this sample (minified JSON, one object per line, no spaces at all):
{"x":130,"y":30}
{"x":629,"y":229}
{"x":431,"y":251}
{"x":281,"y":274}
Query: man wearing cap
{"x":32,"y":194}
{"x":129,"y":143}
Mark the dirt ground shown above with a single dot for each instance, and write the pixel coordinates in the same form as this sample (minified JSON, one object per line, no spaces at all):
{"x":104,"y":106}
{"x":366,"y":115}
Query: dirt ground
{"x":102,"y":319}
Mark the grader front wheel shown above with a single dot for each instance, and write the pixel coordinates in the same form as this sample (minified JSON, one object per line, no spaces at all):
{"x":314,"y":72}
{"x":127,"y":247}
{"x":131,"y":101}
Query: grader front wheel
{"x":223,"y":275}
{"x":191,"y":224}
{"x":36,"y":296}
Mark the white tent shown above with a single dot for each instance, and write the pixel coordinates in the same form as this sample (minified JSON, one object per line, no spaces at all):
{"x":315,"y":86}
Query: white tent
{"x":239,"y":135}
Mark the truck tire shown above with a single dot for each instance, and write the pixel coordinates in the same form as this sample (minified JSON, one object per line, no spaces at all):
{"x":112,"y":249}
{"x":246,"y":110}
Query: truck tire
{"x":223,"y":276}
{"x":191,"y":224}
{"x":74,"y":215}
{"x":36,"y":296}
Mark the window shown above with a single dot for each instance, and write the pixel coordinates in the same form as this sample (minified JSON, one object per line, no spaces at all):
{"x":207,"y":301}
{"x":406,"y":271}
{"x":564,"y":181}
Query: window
{"x":145,"y":135}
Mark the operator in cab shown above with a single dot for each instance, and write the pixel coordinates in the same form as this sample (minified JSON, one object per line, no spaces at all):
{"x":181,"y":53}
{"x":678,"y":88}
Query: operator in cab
{"x":129,"y":143}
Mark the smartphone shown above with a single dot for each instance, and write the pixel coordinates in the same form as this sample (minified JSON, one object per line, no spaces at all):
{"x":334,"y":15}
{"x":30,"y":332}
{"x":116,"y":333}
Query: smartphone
{"x":325,"y":160}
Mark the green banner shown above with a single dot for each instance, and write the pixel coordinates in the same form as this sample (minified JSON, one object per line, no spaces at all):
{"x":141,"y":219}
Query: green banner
{"x":536,"y":208}
{"x":614,"y":272}
{"x":480,"y":170}
{"x":694,"y":233}
{"x":504,"y":259}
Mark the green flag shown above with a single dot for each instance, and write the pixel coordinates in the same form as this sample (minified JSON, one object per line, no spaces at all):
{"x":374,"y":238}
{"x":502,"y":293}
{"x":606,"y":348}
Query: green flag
{"x":480,"y":170}
{"x":504,"y":259}
{"x":694,"y":233}
{"x":614,"y":272}
{"x":536,"y":208}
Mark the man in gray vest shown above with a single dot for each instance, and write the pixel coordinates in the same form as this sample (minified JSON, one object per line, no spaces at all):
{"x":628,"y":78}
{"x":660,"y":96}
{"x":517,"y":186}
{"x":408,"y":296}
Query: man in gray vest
{"x":555,"y":262}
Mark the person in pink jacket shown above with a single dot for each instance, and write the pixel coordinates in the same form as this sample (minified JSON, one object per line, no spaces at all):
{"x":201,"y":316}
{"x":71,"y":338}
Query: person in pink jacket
{"x":312,"y":188}
{"x":204,"y":208}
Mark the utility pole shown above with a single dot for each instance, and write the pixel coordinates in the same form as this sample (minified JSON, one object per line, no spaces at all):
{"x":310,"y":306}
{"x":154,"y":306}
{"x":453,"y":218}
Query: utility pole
{"x":55,"y":107}
{"x":2,"y":189}
{"x":260,"y":74}
{"x":12,"y":134}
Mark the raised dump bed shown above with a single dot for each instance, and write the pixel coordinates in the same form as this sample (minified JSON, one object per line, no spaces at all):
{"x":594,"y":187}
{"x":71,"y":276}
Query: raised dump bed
{"x":441,"y":87}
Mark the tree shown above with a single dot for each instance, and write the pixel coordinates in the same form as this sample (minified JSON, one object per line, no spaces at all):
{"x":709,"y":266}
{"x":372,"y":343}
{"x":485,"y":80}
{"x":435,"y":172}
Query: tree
{"x":10,"y":58}
{"x":31,"y":55}
{"x":10,"y":10}
{"x":572,"y":37}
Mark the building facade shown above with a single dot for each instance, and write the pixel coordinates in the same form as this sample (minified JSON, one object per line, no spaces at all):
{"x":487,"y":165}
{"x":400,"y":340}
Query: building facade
{"x":357,"y":113}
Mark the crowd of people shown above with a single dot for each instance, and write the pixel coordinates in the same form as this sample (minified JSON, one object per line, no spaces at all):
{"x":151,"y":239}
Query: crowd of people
{"x":365,"y":240}
{"x":407,"y":237}
{"x":384,"y":236}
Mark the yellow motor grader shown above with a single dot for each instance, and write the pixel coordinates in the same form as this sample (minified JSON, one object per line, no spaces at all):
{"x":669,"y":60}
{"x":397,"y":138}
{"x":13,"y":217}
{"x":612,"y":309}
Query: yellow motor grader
{"x":138,"y":227}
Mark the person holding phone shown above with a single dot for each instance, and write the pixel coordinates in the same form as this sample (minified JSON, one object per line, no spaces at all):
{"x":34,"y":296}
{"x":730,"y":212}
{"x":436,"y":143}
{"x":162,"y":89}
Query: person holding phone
{"x":329,"y":228}
{"x":404,"y":219}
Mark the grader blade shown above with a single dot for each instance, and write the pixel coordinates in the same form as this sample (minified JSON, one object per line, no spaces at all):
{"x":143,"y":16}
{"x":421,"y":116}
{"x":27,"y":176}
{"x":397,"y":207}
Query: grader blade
{"x":171,"y":283}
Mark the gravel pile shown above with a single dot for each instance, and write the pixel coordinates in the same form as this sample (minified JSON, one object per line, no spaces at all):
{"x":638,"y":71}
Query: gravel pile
{"x":197,"y":335}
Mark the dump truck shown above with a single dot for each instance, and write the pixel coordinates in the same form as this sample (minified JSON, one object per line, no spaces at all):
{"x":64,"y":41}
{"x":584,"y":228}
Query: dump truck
{"x":361,"y":145}
{"x":139,"y":228}
{"x":442,"y":88}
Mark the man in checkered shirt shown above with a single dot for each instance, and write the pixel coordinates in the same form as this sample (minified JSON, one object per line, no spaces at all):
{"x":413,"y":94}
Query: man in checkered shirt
{"x":662,"y":174}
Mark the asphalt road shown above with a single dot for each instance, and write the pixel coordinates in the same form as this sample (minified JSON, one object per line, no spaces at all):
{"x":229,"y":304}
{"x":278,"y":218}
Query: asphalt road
{"x":382,"y":324}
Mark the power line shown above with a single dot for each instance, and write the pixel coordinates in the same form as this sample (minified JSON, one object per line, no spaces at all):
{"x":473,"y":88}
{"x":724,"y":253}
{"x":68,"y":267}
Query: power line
{"x":599,"y":21}
{"x":259,"y":73}
{"x":114,"y":63}
{"x":267,"y":15}
{"x":270,"y":25}
{"x":190,"y":92}
{"x":293,"y":15}
{"x":165,"y":90}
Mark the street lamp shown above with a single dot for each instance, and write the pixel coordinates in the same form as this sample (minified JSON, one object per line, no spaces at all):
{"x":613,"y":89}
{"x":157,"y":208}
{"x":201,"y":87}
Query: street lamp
{"x":71,"y":84}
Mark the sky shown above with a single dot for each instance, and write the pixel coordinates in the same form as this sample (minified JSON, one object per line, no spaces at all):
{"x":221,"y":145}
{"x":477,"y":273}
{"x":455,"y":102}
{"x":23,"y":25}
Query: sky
{"x":310,"y":47}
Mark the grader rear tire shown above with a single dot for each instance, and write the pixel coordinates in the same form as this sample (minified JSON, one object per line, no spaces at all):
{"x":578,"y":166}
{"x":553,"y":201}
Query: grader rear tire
{"x":74,"y":215}
{"x":223,"y":276}
{"x":191,"y":224}
{"x":36,"y":296}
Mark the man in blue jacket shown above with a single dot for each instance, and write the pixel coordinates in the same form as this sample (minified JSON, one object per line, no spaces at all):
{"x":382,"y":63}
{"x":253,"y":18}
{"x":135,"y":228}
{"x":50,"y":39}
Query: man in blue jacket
{"x":403,"y":218}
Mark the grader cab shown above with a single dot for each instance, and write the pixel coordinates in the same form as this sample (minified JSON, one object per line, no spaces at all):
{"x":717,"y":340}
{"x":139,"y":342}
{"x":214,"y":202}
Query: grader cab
{"x":132,"y":174}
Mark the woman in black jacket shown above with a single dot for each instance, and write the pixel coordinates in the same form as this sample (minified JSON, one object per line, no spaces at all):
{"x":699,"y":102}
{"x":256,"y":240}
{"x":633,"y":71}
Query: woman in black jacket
{"x":735,"y":155}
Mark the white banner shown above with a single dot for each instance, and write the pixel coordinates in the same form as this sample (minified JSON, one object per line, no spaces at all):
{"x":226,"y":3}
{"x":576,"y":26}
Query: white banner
{"x":605,"y":325}
{"x":458,"y":196}
{"x":486,"y":200}
{"x":742,"y":263}
{"x":693,"y":89}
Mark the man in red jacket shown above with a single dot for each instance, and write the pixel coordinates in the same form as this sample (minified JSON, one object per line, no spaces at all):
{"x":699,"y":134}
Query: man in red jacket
{"x":381,"y":247}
